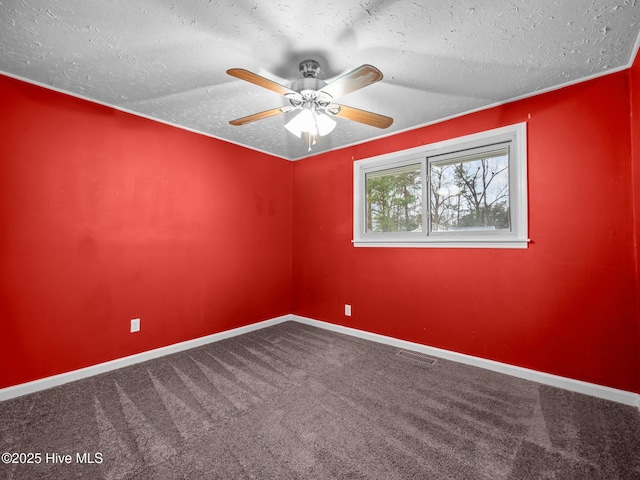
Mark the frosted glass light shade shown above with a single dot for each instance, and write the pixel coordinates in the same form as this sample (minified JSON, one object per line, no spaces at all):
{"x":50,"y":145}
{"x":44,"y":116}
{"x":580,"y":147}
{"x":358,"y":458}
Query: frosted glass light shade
{"x":303,"y":122}
{"x":325,"y":124}
{"x":311,"y":122}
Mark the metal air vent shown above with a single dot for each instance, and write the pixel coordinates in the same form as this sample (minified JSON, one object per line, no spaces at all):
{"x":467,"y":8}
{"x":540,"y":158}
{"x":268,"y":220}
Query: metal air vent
{"x":417,"y":356}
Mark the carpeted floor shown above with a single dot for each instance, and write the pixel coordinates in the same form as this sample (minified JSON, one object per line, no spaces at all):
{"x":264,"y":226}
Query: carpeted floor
{"x":296,"y":402}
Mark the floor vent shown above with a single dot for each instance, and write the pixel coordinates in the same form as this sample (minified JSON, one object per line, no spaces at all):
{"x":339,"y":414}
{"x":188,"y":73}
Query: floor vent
{"x":417,"y":356}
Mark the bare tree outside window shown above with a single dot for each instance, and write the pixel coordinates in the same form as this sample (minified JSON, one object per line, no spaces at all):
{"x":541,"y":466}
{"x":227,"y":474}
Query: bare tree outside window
{"x":470,"y":194}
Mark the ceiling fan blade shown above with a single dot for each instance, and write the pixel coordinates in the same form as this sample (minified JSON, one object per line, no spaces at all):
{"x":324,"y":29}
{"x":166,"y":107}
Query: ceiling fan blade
{"x":260,"y":116}
{"x":356,"y":79}
{"x":256,"y":79}
{"x":357,"y":115}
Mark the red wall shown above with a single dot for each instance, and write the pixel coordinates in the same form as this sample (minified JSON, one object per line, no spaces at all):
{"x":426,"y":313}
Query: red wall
{"x":105,"y":217}
{"x":566,"y":305}
{"x":634,"y":78}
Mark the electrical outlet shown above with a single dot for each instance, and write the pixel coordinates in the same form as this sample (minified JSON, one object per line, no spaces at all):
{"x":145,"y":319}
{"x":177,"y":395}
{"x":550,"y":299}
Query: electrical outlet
{"x":135,"y":325}
{"x":347,"y":310}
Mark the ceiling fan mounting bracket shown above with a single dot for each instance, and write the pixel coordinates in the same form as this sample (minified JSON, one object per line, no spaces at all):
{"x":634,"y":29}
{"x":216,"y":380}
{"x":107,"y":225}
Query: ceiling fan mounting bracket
{"x":309,"y":68}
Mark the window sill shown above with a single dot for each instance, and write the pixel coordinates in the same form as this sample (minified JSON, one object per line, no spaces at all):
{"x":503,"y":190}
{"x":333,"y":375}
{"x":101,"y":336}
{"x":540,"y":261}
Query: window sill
{"x":494,"y":243}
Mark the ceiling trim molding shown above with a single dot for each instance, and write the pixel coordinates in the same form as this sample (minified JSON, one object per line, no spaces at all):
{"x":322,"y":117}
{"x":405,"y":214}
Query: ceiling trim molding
{"x":634,"y":52}
{"x":480,"y":109}
{"x":136,"y":114}
{"x":588,"y":78}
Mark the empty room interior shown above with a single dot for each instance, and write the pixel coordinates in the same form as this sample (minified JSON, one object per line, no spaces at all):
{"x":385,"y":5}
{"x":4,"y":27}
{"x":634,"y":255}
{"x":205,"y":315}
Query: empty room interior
{"x":356,"y":239}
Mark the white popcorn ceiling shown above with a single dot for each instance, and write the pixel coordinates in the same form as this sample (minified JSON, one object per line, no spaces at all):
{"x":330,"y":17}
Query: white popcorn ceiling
{"x":167,"y":59}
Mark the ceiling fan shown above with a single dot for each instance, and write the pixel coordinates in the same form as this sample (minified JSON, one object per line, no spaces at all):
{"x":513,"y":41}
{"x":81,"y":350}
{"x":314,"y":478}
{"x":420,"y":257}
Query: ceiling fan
{"x":314,"y":99}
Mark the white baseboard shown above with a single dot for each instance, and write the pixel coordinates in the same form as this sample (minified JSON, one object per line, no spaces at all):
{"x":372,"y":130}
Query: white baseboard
{"x":55,"y":380}
{"x":607,"y":393}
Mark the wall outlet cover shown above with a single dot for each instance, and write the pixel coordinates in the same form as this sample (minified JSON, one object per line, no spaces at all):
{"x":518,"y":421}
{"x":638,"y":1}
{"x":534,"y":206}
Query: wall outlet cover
{"x":135,"y":325}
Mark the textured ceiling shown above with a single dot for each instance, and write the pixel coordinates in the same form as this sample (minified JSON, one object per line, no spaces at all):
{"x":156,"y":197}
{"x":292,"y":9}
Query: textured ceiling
{"x":167,"y":59}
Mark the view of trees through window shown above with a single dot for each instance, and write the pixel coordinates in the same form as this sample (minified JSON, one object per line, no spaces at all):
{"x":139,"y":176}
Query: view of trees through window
{"x":466,"y":193}
{"x":394,"y":199}
{"x":470,"y":194}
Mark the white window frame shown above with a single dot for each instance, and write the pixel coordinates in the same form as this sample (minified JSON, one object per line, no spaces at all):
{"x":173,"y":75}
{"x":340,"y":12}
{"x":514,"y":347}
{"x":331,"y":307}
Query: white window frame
{"x":517,"y":237}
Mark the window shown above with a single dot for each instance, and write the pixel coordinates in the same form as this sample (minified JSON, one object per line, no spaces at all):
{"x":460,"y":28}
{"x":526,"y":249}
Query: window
{"x":466,"y":192}
{"x":394,"y":199}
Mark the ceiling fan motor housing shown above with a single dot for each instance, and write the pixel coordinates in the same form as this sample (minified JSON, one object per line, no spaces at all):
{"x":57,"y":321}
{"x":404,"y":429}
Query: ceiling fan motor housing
{"x":303,"y":84}
{"x":308,"y":86}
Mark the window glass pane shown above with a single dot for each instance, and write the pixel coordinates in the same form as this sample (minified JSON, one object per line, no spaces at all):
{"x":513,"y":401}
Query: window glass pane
{"x":470,"y":192}
{"x":394,"y":199}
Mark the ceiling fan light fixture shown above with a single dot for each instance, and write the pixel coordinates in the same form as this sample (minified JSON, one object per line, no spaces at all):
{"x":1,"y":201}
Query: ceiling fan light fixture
{"x":302,"y":122}
{"x":311,"y":122}
{"x":314,"y":98}
{"x":325,"y":124}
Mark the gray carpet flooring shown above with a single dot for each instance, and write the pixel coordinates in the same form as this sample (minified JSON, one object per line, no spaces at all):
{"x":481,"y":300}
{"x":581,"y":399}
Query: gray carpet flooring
{"x":297,"y":402}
